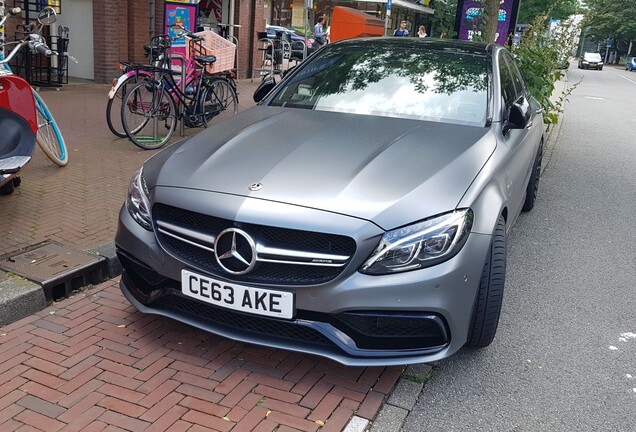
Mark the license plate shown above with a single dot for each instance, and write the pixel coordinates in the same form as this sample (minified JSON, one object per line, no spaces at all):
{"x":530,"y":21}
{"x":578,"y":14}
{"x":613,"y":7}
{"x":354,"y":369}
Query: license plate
{"x":279,"y":304}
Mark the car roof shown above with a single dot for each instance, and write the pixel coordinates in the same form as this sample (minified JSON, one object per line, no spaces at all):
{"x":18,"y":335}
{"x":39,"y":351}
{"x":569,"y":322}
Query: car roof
{"x":449,"y":45}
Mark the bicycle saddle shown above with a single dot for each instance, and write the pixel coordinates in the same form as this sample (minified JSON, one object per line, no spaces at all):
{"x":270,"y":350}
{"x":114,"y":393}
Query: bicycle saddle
{"x":205,"y":59}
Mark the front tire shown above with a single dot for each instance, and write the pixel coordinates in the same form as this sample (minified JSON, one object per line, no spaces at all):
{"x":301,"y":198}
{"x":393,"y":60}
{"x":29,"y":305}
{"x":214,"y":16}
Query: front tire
{"x":49,"y":137}
{"x":148,"y":115}
{"x":487,"y":307}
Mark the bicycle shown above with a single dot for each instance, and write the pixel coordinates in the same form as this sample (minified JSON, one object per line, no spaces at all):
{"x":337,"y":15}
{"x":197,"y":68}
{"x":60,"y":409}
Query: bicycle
{"x":132,"y":73}
{"x":49,"y":137}
{"x":151,"y":109}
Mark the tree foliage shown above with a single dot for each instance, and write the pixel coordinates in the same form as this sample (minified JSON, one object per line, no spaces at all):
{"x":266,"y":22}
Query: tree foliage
{"x":611,"y":19}
{"x":539,"y":55}
{"x":560,"y":10}
{"x":444,"y":18}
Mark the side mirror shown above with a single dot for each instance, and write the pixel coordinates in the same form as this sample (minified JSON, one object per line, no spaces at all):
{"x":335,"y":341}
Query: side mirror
{"x":518,"y":115}
{"x":263,"y":89}
{"x":47,"y":16}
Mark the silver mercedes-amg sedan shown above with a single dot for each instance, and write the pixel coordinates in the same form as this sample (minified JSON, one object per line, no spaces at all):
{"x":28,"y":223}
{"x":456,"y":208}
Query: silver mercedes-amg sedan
{"x":359,"y":211}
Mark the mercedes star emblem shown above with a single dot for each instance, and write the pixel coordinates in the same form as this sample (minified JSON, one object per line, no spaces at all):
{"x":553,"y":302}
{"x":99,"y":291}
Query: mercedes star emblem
{"x":235,"y":251}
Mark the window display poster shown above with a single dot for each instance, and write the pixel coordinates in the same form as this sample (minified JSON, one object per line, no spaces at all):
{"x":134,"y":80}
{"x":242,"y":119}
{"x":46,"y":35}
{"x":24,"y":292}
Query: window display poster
{"x":465,"y":23}
{"x":183,"y":14}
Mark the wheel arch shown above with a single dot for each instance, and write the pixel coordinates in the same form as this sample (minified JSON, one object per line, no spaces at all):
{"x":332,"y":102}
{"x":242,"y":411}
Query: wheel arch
{"x":487,"y":205}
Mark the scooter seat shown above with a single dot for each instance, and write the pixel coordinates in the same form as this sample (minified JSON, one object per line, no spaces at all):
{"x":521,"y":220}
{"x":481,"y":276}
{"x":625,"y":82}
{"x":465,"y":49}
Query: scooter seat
{"x":17,"y":142}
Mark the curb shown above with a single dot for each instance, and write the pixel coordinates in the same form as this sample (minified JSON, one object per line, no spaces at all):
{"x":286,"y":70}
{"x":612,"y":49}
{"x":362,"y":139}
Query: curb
{"x":21,"y":297}
{"x":403,"y":398}
{"x":554,"y":132}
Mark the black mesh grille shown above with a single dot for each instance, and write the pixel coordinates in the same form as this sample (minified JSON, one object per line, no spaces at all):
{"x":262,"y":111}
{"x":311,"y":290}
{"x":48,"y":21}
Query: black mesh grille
{"x":389,"y":330}
{"x":236,"y":320}
{"x":390,"y":326}
{"x":263,"y":272}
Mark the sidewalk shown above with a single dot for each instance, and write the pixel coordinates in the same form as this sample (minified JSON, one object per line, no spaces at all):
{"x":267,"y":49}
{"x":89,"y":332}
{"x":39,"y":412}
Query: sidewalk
{"x":92,"y":362}
{"x":78,"y":205}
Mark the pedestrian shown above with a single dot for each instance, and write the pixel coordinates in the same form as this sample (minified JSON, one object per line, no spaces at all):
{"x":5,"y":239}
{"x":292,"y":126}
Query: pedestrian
{"x":402,"y":31}
{"x":319,"y":38}
{"x":422,"y":32}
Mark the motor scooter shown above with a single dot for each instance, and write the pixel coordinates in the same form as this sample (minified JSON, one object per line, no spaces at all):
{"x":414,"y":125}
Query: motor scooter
{"x":19,"y":126}
{"x":18,"y":112}
{"x":18,"y":123}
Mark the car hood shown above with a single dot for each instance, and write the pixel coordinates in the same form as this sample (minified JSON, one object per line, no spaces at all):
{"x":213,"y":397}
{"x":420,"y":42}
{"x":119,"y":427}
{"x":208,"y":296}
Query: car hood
{"x":387,"y":170}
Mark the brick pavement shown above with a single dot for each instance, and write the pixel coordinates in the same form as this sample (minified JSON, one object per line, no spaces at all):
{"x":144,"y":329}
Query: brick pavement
{"x":93,"y":363}
{"x":78,"y":205}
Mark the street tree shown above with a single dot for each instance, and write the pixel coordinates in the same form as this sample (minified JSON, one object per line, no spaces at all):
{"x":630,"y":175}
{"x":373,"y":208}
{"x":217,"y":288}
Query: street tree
{"x":559,"y":10}
{"x":613,"y":20}
{"x":444,"y":18}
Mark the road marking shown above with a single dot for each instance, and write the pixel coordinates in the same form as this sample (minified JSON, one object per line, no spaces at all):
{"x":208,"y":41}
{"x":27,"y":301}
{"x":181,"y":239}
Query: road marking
{"x":594,"y":97}
{"x":630,"y":80}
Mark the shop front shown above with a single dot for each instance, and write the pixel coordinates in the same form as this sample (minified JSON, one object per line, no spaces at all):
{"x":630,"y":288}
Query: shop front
{"x":290,"y":13}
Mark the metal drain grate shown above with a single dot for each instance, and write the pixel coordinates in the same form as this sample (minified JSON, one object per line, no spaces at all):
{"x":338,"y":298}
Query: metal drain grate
{"x":59,"y":269}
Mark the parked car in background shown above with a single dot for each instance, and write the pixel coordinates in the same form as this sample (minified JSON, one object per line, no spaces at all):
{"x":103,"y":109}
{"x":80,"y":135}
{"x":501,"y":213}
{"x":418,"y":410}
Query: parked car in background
{"x":591,"y":60}
{"x":360,"y":211}
{"x":296,"y":41}
{"x":630,"y":64}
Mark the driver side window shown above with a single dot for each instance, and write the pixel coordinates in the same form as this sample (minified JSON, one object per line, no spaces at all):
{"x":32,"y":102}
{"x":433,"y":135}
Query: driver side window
{"x":508,"y":90}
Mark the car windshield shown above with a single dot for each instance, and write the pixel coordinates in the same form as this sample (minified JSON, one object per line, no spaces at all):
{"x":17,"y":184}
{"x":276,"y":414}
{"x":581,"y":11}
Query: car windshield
{"x":593,"y":57}
{"x":391,"y":80}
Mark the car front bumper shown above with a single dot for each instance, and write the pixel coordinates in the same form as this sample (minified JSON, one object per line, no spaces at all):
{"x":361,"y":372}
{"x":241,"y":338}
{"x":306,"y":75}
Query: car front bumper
{"x":356,"y":319}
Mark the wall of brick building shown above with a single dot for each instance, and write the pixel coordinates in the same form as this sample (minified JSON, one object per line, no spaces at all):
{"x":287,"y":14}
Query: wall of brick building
{"x":122,"y":27}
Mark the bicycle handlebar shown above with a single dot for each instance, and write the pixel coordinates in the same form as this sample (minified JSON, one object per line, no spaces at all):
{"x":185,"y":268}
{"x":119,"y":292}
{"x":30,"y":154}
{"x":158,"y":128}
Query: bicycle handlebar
{"x":186,"y":32}
{"x":36,"y":45}
{"x":12,"y":11}
{"x":42,"y":49}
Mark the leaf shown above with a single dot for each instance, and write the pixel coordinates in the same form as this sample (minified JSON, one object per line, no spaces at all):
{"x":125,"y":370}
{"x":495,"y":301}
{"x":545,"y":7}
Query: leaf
{"x":121,"y":326}
{"x":268,"y":413}
{"x":320,"y":422}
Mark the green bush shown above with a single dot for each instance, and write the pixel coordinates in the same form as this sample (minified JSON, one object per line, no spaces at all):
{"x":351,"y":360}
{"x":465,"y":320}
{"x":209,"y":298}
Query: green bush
{"x":540,"y":55}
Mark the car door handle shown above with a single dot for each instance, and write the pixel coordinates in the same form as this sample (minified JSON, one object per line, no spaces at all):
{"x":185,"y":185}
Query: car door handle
{"x":539,"y":110}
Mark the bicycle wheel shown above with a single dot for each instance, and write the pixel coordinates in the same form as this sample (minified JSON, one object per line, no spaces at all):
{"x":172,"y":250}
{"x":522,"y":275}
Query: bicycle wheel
{"x":148,"y":115}
{"x":49,"y":136}
{"x":113,"y":108}
{"x":219,"y":100}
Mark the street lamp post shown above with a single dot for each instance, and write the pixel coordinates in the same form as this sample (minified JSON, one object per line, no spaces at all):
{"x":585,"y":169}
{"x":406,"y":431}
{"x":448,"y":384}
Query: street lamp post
{"x":387,"y":16}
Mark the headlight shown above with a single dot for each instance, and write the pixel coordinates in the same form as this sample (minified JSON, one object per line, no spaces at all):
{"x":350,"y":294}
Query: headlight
{"x":137,"y":202}
{"x":420,"y":245}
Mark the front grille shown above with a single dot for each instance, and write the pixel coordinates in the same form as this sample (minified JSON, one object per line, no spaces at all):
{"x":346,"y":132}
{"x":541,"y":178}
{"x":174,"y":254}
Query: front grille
{"x":239,"y":321}
{"x":370,"y":331}
{"x":279,"y":273}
